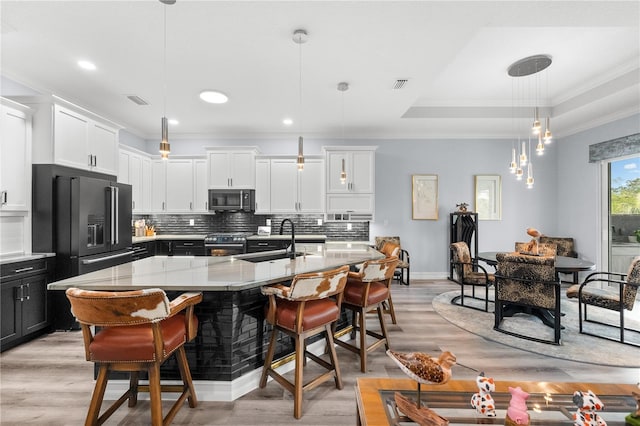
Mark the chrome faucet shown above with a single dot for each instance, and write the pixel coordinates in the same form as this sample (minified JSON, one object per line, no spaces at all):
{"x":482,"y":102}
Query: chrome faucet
{"x":293,"y":237}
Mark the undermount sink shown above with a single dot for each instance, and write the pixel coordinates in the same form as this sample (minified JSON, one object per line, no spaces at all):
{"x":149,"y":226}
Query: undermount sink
{"x":270,"y":257}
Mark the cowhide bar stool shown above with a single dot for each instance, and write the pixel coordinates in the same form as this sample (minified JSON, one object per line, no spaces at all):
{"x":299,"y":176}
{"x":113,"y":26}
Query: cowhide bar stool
{"x":308,"y":307}
{"x":366,"y":290}
{"x":139,"y":330}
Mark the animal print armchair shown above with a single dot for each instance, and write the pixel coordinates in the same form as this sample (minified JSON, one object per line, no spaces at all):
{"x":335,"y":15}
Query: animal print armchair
{"x":467,"y":272}
{"x":527,"y":284}
{"x":617,"y":294}
{"x":401,"y":274}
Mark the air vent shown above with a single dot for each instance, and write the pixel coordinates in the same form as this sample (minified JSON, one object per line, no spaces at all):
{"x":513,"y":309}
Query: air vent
{"x":137,"y":100}
{"x":400,"y":83}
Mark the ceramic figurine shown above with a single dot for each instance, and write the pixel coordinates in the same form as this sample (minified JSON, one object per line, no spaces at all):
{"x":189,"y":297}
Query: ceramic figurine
{"x":482,"y":401}
{"x":517,"y":412}
{"x":588,"y":403}
{"x":462,"y":207}
{"x":633,"y":419}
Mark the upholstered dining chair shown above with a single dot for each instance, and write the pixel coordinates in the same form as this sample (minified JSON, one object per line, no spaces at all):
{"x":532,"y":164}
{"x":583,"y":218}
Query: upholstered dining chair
{"x":310,"y":306}
{"x":565,"y":247}
{"x":595,"y":291}
{"x":390,"y":249}
{"x":365,"y":291}
{"x":527,"y":284}
{"x":138,"y":331}
{"x":403,"y":270}
{"x":467,"y":273}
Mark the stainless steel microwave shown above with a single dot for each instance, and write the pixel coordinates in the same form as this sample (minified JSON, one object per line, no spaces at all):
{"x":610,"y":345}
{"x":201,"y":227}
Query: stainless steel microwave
{"x":243,"y":200}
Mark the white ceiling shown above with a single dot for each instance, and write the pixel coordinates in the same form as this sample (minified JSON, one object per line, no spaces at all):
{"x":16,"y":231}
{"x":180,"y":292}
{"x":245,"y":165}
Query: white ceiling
{"x":454,"y":54}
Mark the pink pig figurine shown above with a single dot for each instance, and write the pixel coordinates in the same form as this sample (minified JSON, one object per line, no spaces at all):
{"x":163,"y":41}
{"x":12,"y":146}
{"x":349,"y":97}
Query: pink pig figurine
{"x":517,"y":411}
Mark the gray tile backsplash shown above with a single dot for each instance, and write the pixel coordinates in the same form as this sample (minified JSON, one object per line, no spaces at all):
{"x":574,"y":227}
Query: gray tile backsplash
{"x":168,"y":224}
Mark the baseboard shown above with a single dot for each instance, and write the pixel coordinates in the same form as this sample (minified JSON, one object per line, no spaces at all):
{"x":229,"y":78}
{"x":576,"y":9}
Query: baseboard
{"x":429,"y":275}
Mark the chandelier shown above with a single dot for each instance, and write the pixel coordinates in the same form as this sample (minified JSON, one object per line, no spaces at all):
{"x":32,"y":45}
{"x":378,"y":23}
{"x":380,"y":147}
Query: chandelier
{"x":521,"y":148}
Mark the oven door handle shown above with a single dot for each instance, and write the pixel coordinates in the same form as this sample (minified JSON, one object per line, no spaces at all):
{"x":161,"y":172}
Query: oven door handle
{"x":223,"y":246}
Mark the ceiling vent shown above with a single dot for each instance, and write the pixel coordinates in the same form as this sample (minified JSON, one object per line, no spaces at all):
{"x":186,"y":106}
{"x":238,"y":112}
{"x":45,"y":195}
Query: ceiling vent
{"x":137,"y":100}
{"x":400,"y":83}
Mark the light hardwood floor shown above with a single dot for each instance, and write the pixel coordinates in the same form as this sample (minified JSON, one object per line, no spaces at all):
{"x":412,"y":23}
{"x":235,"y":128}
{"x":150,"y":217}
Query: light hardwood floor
{"x":48,"y":381}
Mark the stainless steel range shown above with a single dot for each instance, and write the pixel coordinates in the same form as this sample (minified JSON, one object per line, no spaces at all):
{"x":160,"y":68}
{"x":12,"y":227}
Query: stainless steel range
{"x":225,"y":244}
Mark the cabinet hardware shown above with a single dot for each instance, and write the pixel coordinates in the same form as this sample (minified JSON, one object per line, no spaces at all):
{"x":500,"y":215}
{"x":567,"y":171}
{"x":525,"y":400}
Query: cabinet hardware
{"x":28,"y":296}
{"x":163,"y":205}
{"x":187,"y":244}
{"x":190,"y":205}
{"x":17,"y":271}
{"x":263,"y":244}
{"x":4,"y":197}
{"x":95,"y":161}
{"x":18,"y":293}
{"x":90,"y":160}
{"x":133,"y":204}
{"x":206,"y":205}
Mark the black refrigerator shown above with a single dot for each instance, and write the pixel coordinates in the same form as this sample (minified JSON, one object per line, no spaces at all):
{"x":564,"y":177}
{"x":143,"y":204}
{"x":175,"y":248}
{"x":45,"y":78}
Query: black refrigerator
{"x":93,"y":224}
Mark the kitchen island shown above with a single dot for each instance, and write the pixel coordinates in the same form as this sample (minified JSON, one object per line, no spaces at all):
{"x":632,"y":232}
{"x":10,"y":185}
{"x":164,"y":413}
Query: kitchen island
{"x":227,"y":356}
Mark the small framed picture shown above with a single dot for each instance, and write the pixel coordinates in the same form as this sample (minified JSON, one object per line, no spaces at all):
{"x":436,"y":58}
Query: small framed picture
{"x":424,"y":190}
{"x":489,"y":197}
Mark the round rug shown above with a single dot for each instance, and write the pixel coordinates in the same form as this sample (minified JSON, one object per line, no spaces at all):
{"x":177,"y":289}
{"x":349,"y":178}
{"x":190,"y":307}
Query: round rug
{"x":573,"y":345}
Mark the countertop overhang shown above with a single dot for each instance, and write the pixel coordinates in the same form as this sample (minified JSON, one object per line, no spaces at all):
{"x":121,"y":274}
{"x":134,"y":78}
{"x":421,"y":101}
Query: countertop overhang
{"x":227,"y":273}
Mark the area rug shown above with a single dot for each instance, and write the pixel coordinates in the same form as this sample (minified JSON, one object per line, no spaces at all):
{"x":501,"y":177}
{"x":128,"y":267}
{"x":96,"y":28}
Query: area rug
{"x":574,"y":346}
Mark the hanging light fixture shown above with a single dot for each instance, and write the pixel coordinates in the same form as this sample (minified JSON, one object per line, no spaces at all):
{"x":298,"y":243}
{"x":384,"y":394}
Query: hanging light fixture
{"x":300,"y":37}
{"x":343,"y":87}
{"x":165,"y":148}
{"x":525,"y":67}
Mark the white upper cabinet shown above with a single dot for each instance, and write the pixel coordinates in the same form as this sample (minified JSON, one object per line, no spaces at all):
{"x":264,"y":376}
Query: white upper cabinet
{"x":294,"y":191}
{"x":179,"y":186}
{"x":231,"y":169}
{"x":15,"y":158}
{"x":359,"y":167}
{"x":66,"y":134}
{"x":134,"y":168}
{"x":357,"y":193}
{"x":263,"y":186}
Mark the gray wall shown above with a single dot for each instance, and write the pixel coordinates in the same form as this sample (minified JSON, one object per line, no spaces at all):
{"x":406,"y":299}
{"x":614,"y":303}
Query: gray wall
{"x":563,"y":201}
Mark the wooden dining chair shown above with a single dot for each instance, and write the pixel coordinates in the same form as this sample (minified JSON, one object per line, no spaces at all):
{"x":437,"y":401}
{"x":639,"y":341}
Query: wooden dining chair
{"x":136,"y":331}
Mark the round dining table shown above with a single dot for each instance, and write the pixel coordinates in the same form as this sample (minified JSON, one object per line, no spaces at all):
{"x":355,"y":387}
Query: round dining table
{"x":565,"y":265}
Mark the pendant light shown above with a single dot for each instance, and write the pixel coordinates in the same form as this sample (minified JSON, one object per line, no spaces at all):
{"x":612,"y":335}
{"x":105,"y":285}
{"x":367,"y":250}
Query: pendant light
{"x":300,"y":37}
{"x":343,"y":87}
{"x":165,"y":148}
{"x":526,"y":67}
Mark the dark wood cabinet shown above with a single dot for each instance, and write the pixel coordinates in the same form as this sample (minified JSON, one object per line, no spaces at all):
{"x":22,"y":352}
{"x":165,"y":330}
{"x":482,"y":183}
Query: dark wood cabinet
{"x":256,"y":246}
{"x":24,"y":301}
{"x":180,"y":247}
{"x":143,"y":250}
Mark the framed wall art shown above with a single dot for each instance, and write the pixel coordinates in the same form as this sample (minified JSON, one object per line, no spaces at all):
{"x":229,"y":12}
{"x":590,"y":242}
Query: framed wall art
{"x":424,"y":190}
{"x":489,"y":197}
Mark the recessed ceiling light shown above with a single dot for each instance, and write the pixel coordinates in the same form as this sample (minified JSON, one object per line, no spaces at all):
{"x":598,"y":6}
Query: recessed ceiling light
{"x":86,"y":65}
{"x":287,"y":122}
{"x":213,"y":97}
{"x":173,"y":122}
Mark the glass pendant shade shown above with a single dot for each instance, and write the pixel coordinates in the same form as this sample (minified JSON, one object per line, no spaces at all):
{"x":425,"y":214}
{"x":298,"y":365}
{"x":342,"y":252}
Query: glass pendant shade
{"x":547,"y":133}
{"x":519,"y":173}
{"x":535,"y":128}
{"x":540,"y":146}
{"x":530,"y":176}
{"x":523,"y":155}
{"x":165,"y":148}
{"x":513,"y":166}
{"x":300,"y":154}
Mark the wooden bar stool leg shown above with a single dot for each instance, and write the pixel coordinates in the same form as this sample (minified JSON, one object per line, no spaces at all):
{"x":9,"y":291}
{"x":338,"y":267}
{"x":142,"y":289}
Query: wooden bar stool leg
{"x":383,"y":327}
{"x":155,"y":394}
{"x":333,"y":356}
{"x":133,"y":389}
{"x":363,"y":340}
{"x":185,"y":373}
{"x":391,"y":309}
{"x":297,"y":403}
{"x":269,"y":359}
{"x":98,"y":395}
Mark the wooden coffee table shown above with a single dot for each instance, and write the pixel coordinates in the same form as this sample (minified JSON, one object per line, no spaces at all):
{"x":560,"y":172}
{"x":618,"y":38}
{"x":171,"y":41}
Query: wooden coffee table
{"x":374,"y":397}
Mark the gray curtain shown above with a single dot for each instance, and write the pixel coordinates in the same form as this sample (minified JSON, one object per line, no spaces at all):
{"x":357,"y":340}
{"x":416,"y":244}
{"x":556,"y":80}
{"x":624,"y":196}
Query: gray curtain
{"x":614,"y":148}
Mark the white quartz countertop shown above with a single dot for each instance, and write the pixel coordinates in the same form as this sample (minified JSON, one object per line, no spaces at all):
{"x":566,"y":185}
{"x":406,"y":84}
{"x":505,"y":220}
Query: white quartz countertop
{"x":22,"y":257}
{"x":210,"y":273}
